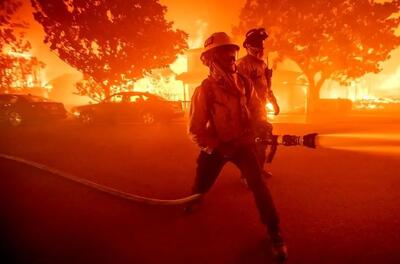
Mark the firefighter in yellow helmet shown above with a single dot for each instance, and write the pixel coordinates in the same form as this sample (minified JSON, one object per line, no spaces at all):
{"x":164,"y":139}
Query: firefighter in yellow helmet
{"x":256,"y":70}
{"x":223,"y":110}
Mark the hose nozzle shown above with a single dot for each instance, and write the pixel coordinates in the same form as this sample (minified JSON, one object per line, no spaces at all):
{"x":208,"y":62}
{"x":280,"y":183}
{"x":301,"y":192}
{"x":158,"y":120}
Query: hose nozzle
{"x":309,"y":140}
{"x":306,"y":141}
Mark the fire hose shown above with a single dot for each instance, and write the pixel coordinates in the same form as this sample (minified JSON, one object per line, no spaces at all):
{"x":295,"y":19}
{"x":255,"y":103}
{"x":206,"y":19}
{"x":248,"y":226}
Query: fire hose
{"x":286,"y":140}
{"x":100,"y":187}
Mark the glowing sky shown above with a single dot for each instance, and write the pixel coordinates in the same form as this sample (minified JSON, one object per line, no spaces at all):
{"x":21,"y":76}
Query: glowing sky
{"x":197,"y":18}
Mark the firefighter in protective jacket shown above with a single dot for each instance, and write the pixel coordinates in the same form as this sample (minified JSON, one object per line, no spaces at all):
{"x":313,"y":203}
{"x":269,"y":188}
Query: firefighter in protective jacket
{"x":224,"y":109}
{"x":256,"y":70}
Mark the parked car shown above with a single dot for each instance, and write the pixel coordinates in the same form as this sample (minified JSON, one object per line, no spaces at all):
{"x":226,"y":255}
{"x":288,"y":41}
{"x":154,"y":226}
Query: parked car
{"x":18,"y":109}
{"x":129,"y":106}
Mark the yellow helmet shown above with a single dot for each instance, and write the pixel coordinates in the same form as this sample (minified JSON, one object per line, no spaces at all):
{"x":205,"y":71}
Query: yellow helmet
{"x":218,"y":39}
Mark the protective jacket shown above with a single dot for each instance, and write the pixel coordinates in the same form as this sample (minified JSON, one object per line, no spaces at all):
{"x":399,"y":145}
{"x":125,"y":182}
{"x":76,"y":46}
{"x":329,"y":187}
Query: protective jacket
{"x":256,"y":71}
{"x":220,"y":113}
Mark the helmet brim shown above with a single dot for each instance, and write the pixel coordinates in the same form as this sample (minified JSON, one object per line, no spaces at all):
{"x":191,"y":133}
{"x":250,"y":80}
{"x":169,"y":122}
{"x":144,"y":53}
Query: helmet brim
{"x":218,"y":46}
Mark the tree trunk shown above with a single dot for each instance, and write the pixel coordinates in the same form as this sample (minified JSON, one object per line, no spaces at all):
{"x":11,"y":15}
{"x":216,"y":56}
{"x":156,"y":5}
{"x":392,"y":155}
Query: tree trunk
{"x":313,"y":95}
{"x":312,"y":98}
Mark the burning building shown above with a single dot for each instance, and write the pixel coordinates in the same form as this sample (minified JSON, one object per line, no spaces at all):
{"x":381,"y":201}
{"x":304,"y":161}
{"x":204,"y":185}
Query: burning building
{"x":23,"y":73}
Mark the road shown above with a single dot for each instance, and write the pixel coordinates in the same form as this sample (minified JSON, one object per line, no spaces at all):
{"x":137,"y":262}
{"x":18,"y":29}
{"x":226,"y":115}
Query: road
{"x":335,"y":206}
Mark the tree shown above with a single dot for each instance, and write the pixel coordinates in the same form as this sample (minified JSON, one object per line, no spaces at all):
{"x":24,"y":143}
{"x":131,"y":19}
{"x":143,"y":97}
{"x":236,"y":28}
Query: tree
{"x":16,"y":64}
{"x":89,"y":87}
{"x":7,"y":27}
{"x":7,"y":36}
{"x":333,"y":39}
{"x":111,"y":41}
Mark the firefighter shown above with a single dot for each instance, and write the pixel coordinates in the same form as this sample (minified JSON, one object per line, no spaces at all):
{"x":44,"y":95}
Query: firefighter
{"x":256,"y":70}
{"x":223,"y":110}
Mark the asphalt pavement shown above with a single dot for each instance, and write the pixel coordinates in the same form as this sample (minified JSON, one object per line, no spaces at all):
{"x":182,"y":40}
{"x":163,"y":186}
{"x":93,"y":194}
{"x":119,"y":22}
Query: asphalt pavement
{"x":336,"y":206}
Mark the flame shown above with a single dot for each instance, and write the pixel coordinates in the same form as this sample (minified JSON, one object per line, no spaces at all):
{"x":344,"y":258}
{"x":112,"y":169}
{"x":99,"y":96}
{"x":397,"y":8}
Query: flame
{"x":371,"y":92}
{"x":199,"y":38}
{"x":25,"y":55}
{"x":35,"y":79}
{"x":164,"y":85}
